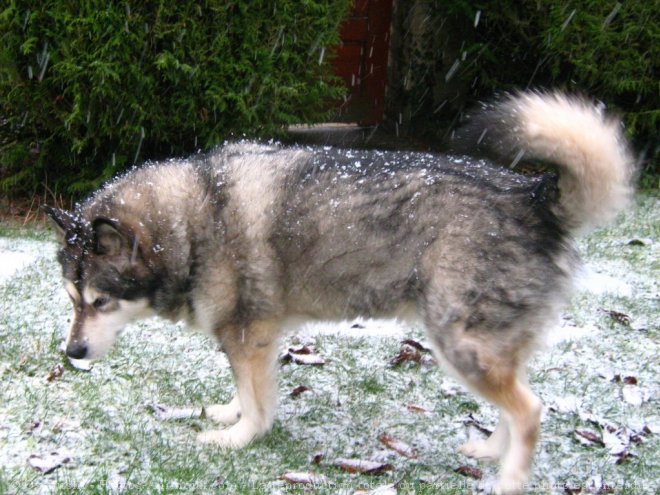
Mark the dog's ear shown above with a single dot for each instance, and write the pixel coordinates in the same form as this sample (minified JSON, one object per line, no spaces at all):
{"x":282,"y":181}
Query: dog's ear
{"x":110,"y":238}
{"x":63,"y":221}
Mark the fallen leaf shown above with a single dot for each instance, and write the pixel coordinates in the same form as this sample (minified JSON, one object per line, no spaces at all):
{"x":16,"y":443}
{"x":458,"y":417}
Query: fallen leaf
{"x":407,"y":353}
{"x":363,"y":467}
{"x":304,"y":478}
{"x":47,"y":463}
{"x":167,"y":413}
{"x":413,"y":351}
{"x":630,"y":380}
{"x":55,"y":372}
{"x":357,"y":326}
{"x":617,"y":316}
{"x":417,"y":409}
{"x":470,"y":472}
{"x":398,"y":446}
{"x":416,"y":345}
{"x":588,"y":437}
{"x":303,"y":355}
{"x":299,"y":390}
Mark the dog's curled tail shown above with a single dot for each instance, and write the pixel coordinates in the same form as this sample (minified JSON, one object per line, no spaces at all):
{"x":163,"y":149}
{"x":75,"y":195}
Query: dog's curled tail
{"x":597,"y":171}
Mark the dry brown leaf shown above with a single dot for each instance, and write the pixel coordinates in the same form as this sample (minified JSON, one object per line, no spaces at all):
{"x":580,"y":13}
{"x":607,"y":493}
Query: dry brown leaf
{"x":417,"y":409}
{"x":363,"y":467}
{"x":55,"y":372}
{"x":588,"y":437}
{"x":407,"y":353}
{"x":470,"y":472}
{"x":413,"y":351}
{"x":301,"y":389}
{"x":398,"y":446}
{"x":304,"y":478}
{"x":617,"y":316}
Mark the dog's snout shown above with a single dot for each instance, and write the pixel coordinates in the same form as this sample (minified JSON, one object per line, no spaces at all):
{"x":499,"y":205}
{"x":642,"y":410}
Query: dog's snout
{"x":76,"y":350}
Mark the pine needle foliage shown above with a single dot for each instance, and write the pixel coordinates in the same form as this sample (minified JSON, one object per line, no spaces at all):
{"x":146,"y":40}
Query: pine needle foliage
{"x":88,"y":89}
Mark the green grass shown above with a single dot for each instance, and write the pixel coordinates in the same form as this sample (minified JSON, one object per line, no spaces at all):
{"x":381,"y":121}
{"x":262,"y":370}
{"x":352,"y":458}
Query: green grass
{"x":103,"y":421}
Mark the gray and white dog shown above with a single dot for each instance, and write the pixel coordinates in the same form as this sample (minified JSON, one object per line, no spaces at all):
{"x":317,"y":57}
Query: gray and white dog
{"x":237,"y":241}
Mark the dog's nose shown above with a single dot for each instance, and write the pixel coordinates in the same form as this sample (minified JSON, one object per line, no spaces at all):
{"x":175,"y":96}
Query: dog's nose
{"x":76,"y":350}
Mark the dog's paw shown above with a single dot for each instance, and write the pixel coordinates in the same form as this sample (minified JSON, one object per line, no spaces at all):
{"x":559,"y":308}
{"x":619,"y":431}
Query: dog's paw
{"x":227,"y":414}
{"x":234,"y":437}
{"x":482,"y":450}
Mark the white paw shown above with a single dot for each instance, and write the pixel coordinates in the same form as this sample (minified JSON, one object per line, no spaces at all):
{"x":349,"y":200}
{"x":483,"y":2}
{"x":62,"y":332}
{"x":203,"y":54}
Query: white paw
{"x":482,"y":450}
{"x":234,"y":437}
{"x":227,"y":414}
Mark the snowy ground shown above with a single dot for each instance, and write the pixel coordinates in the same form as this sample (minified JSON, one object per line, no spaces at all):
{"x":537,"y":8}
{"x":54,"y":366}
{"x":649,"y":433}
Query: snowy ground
{"x":106,"y":431}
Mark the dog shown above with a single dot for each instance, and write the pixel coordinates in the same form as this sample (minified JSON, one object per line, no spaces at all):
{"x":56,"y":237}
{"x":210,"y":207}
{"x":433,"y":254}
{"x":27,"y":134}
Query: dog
{"x":237,"y":241}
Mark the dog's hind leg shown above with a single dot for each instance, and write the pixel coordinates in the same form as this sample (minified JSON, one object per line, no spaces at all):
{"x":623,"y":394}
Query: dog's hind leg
{"x":252,"y":354}
{"x":491,"y":370}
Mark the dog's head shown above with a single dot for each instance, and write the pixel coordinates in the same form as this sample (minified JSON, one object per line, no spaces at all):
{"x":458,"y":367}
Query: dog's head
{"x":106,"y":278}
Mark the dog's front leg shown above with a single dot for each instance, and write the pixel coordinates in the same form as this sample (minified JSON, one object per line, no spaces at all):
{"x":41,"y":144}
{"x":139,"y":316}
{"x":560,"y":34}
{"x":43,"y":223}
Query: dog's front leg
{"x":252,"y":353}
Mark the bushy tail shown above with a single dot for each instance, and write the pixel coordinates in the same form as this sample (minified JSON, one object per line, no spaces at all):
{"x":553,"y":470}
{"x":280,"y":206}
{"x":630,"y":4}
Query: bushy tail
{"x":596,"y":169}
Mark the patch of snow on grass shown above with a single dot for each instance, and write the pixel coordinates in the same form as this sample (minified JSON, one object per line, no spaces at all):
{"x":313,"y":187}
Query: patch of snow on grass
{"x":16,"y":255}
{"x":598,"y":375}
{"x":591,"y":279}
{"x":356,"y":329}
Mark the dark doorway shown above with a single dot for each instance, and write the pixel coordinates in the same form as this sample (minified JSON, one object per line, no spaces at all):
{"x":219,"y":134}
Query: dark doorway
{"x":361,"y":61}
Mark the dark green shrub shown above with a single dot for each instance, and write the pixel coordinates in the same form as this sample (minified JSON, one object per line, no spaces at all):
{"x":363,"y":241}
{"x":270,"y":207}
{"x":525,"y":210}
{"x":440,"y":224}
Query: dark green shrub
{"x":469,"y":50}
{"x":90,"y":88}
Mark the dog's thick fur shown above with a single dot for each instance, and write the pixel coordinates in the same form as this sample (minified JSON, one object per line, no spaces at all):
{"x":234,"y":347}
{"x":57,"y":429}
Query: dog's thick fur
{"x":238,"y":240}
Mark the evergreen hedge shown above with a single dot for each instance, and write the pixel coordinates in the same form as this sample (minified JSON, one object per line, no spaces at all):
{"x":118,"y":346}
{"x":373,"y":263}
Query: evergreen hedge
{"x":90,"y":88}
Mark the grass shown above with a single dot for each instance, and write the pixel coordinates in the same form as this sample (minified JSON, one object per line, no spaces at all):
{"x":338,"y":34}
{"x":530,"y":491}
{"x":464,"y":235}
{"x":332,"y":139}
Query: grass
{"x":102,"y":419}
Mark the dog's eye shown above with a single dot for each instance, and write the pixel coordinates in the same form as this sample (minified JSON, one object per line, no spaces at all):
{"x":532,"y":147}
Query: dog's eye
{"x":100,"y":301}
